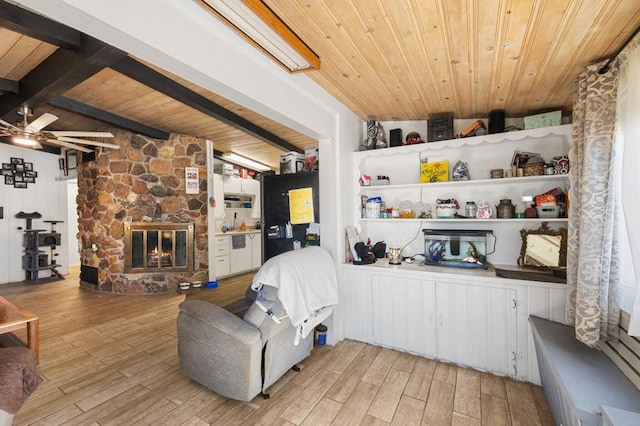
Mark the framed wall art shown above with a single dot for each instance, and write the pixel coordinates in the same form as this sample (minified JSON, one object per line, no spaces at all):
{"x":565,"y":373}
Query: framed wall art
{"x":18,"y":173}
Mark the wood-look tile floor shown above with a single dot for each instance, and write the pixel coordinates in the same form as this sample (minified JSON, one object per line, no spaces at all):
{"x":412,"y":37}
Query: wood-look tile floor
{"x":110,"y":359}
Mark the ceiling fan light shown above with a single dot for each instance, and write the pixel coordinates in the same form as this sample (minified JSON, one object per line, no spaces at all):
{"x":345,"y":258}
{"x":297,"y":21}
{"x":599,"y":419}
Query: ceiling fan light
{"x":243,"y":161}
{"x":25,"y":140}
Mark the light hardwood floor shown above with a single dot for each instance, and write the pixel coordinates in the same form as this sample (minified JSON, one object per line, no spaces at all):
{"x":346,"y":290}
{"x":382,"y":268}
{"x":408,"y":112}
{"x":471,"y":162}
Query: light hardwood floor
{"x":110,"y":359}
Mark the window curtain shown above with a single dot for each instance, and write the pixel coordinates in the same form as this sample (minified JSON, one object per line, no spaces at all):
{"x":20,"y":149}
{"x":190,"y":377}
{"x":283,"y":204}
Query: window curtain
{"x":629,"y":133}
{"x":593,"y":285}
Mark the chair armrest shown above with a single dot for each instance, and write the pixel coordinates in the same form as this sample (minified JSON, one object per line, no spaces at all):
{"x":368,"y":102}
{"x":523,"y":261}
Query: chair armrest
{"x":214,"y":317}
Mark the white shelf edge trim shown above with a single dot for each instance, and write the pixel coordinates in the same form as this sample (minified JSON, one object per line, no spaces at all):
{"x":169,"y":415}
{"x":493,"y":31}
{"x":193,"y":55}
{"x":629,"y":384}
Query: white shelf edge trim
{"x":562,"y":130}
{"x":414,"y":220}
{"x":513,"y":180}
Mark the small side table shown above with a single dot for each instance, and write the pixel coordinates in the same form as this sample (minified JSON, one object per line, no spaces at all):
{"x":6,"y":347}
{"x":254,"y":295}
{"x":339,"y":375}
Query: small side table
{"x":13,"y":317}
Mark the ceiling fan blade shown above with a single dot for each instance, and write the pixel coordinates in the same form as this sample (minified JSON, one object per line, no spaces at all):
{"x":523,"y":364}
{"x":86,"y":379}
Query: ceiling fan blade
{"x":41,"y":122}
{"x":82,"y":134}
{"x":69,"y":145}
{"x":88,"y":142}
{"x":8,"y":125}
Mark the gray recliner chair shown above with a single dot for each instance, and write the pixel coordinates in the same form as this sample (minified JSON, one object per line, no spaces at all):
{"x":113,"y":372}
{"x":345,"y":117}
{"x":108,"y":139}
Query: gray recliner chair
{"x":234,"y":357}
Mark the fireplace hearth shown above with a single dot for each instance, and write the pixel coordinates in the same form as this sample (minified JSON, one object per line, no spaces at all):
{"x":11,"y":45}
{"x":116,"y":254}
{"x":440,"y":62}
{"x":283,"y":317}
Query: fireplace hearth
{"x":158,"y":247}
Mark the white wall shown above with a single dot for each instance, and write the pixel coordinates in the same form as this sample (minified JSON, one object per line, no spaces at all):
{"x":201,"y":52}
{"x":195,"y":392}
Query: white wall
{"x":72,"y":223}
{"x":48,"y":196}
{"x":202,"y":50}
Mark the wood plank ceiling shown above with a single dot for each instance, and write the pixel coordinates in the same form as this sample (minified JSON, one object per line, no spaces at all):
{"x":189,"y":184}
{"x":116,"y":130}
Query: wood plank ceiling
{"x":412,"y":59}
{"x":388,"y":60}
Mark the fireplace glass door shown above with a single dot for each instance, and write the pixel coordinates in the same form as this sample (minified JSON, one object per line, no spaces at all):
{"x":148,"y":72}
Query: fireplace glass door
{"x":158,"y":247}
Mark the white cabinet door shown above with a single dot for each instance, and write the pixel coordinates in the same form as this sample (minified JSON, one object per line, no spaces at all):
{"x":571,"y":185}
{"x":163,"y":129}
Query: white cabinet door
{"x":356,"y":304}
{"x":218,"y":196}
{"x":250,"y":186}
{"x":221,"y":245}
{"x":476,"y":326}
{"x":232,"y":185}
{"x":240,"y":258}
{"x":221,"y":253}
{"x":222,"y":266}
{"x":404,"y":313}
{"x":256,"y":250}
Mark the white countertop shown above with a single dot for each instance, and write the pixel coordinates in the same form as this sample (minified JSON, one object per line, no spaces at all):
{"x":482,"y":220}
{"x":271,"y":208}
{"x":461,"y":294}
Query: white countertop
{"x":245,"y":232}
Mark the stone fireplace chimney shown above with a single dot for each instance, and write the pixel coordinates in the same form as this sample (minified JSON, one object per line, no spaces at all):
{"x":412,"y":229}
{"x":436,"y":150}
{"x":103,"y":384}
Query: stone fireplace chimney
{"x":141,"y":182}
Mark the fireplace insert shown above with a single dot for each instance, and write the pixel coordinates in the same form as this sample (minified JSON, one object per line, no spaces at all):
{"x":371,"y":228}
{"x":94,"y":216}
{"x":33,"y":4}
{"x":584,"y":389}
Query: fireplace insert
{"x":158,"y":247}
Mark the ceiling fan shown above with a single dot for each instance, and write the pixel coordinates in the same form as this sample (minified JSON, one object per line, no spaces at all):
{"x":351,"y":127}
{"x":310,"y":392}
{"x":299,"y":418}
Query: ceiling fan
{"x":31,"y":134}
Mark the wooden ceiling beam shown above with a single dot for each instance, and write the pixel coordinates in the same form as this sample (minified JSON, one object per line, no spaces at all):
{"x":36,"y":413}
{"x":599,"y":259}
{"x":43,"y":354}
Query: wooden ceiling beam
{"x":107,"y":117}
{"x":61,"y":71}
{"x":10,"y":86}
{"x":36,"y":26}
{"x":153,"y":79}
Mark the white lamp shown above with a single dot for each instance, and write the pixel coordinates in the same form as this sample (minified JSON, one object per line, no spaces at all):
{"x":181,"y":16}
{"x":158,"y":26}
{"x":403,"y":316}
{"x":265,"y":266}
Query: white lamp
{"x":263,"y":28}
{"x":243,"y":161}
{"x":26,"y":140}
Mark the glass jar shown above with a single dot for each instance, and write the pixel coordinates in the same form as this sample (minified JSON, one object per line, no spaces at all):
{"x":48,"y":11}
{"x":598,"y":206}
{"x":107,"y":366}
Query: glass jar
{"x":470,"y":209}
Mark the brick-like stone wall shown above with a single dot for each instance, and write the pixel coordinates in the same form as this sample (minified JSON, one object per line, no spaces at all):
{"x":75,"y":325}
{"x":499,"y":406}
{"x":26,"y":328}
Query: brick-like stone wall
{"x":142,"y":181}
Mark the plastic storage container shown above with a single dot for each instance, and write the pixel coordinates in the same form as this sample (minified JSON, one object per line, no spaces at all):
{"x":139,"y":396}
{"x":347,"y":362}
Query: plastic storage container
{"x":548,"y":212}
{"x":321,"y":335}
{"x":455,"y":247}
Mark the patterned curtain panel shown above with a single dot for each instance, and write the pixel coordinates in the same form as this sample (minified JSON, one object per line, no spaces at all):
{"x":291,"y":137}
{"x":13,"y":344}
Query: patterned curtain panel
{"x":593,"y":296}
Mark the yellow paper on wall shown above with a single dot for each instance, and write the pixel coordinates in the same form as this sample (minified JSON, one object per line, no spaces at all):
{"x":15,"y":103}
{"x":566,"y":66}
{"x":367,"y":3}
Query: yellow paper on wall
{"x":301,"y":206}
{"x":436,"y":171}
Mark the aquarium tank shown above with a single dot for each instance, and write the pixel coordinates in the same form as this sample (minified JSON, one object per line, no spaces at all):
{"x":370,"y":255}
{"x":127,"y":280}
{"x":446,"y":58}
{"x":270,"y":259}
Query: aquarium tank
{"x":456,"y":247}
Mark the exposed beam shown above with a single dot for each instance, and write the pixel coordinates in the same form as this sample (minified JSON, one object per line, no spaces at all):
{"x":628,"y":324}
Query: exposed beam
{"x":36,"y":26}
{"x":7,"y":85}
{"x":61,"y":71}
{"x":153,"y":79}
{"x":107,"y":117}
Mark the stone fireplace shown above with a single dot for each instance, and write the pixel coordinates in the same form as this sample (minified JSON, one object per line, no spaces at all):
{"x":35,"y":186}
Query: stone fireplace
{"x":158,"y":247}
{"x":140,"y":189}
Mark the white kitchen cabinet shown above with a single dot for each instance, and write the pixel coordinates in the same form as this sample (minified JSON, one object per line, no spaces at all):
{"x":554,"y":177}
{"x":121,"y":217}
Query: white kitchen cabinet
{"x":245,"y":190}
{"x":476,"y":325}
{"x":239,"y":257}
{"x":238,"y":186}
{"x":404,"y":313}
{"x":256,"y":250}
{"x":232,"y":185}
{"x":231,"y":261}
{"x":475,"y":321}
{"x":221,"y":257}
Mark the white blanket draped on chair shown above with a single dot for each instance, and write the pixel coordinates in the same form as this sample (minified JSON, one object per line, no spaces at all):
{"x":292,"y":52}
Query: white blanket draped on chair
{"x":307,"y":285}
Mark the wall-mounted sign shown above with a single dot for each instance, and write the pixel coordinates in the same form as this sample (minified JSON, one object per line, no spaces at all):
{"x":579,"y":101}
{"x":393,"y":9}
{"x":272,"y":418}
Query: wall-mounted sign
{"x":192,"y":182}
{"x":18,"y":173}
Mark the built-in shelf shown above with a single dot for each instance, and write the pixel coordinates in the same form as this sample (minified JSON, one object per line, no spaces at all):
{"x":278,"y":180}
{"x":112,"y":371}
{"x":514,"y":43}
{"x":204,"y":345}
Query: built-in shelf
{"x":460,"y":183}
